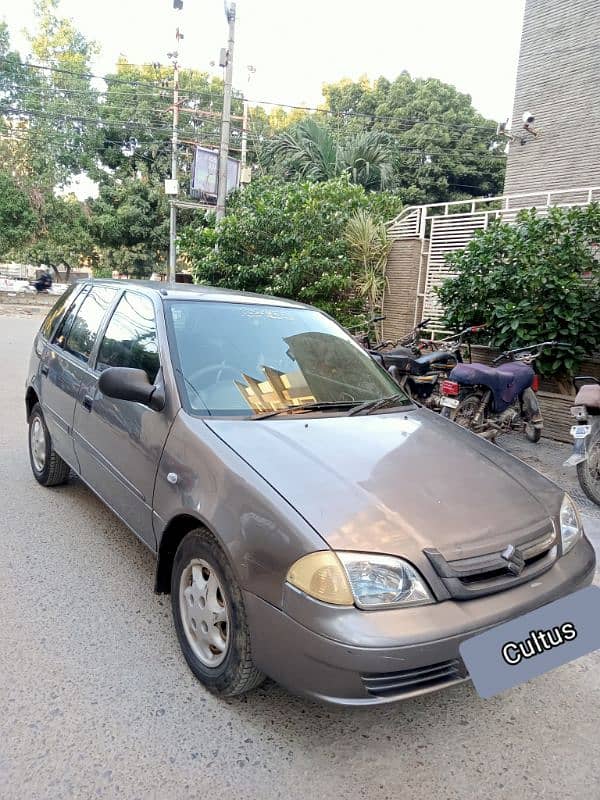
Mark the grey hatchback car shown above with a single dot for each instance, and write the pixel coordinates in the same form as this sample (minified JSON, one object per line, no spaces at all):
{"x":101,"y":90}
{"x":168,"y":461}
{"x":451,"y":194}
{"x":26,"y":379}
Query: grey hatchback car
{"x":311,"y":523}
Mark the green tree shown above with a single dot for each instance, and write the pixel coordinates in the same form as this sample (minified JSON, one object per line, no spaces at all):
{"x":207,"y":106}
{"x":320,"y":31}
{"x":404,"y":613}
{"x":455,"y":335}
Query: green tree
{"x":17,"y":217}
{"x":62,"y":236}
{"x":130,"y":216}
{"x":48,"y":116}
{"x":130,"y":224}
{"x":287,"y":239}
{"x":443,"y":149}
{"x":536,"y":280}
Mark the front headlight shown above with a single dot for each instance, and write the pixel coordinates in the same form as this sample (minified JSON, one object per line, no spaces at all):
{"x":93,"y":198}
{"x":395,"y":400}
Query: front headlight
{"x":570,"y":525}
{"x":384,"y":581}
{"x":366,"y":580}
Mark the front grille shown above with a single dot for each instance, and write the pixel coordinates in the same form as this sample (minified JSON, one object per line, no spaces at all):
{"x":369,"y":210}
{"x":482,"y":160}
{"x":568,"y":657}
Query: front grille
{"x":434,"y":676}
{"x":479,"y":575}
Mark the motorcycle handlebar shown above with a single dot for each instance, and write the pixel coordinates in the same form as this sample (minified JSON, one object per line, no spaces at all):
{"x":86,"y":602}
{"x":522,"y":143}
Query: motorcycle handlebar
{"x":366,"y":323}
{"x":535,"y":350}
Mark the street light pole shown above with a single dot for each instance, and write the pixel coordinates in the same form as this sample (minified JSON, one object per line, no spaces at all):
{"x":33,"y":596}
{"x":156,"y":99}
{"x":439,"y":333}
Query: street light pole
{"x":226,"y":116}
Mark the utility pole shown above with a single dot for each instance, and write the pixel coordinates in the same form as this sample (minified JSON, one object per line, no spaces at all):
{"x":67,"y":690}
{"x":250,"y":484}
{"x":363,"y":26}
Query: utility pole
{"x":226,"y":116}
{"x":174,"y":187}
{"x":173,"y":207}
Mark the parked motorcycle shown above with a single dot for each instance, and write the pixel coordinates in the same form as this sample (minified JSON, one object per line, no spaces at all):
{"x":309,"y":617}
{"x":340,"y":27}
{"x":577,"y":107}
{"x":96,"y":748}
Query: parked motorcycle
{"x":490,"y":400}
{"x":420,"y":374}
{"x":586,"y":436}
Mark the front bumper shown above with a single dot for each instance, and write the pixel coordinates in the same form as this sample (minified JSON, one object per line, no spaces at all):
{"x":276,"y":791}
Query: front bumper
{"x":351,"y":657}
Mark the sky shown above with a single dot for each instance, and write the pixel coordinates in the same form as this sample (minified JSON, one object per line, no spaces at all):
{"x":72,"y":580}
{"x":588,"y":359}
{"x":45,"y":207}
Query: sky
{"x":297,"y":45}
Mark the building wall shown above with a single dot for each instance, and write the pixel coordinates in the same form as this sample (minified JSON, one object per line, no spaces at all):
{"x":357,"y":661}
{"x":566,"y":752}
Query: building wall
{"x":401,"y":294}
{"x":558,"y":80}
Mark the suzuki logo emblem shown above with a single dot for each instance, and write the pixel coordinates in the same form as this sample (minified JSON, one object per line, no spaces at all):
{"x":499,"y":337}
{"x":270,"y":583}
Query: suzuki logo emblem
{"x":515,"y":562}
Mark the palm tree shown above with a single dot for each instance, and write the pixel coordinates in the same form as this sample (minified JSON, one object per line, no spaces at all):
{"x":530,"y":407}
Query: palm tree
{"x":310,"y":151}
{"x":366,"y":158}
{"x":368,"y":246}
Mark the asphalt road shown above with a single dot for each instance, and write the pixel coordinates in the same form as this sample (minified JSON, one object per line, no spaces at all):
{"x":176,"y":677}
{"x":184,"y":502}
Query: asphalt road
{"x":96,"y":700}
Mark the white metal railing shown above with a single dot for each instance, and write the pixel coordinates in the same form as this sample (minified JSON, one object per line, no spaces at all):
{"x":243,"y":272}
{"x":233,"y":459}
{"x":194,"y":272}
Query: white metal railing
{"x":446,"y":227}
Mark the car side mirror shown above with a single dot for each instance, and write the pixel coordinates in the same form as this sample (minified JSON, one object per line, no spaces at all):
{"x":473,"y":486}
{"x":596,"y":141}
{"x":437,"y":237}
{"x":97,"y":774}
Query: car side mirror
{"x":124,"y":383}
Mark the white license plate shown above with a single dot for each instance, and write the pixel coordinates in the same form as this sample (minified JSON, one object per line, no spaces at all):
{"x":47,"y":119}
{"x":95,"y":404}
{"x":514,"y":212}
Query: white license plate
{"x":580,"y":431}
{"x":450,"y":402}
{"x":578,"y":411}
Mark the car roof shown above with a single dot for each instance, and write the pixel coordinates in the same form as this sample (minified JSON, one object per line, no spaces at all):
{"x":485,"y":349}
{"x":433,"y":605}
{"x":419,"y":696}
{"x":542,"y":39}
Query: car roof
{"x":190,"y":291}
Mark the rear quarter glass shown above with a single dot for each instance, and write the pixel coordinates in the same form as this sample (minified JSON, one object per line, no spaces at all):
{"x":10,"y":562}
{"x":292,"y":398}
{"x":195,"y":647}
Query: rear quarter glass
{"x":57,"y":311}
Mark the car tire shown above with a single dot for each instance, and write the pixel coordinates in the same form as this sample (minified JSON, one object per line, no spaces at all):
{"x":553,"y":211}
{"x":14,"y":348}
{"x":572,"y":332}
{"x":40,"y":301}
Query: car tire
{"x":210,"y":618}
{"x":47,"y":466}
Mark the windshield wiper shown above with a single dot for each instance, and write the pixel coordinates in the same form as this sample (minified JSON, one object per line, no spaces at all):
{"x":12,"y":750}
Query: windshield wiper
{"x":374,"y":405}
{"x":306,"y":408}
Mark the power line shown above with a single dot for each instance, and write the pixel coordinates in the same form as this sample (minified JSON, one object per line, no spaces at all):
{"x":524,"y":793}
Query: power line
{"x":100,"y":123}
{"x":433,"y":151}
{"x":109,"y":79}
{"x":411,"y":121}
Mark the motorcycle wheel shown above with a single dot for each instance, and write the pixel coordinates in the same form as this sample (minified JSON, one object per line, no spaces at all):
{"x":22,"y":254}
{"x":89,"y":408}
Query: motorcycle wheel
{"x":588,"y":471}
{"x":533,"y":433}
{"x":466,"y":411}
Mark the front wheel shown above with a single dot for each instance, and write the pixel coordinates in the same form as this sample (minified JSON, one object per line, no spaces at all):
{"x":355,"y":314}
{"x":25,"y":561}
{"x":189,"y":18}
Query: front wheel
{"x":210,"y":618}
{"x":588,"y":471}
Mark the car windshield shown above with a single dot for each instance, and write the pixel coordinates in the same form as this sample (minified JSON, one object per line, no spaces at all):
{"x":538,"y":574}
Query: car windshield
{"x":246,"y":359}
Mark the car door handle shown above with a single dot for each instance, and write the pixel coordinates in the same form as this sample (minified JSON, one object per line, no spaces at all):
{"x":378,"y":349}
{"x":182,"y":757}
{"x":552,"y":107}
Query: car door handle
{"x":44,"y":369}
{"x":88,"y":401}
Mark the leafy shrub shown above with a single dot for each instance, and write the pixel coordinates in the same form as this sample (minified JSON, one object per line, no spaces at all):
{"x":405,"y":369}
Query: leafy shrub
{"x":532,"y":281}
{"x":286,"y":239}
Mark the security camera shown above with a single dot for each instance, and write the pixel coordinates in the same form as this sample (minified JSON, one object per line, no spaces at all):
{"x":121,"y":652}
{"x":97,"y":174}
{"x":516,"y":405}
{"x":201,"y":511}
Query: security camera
{"x":528,"y":120}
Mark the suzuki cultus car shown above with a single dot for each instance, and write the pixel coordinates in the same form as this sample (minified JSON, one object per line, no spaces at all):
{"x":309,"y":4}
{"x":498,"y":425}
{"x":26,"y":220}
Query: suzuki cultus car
{"x":310,"y":522}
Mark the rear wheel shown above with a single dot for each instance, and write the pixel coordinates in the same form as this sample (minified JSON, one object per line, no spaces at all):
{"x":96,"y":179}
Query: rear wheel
{"x":588,"y":471}
{"x":466,"y":411}
{"x":47,"y":466}
{"x":210,"y":618}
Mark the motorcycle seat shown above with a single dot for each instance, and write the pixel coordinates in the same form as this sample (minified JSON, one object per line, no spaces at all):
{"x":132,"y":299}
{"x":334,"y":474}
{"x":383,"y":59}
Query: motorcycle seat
{"x":589,"y":396}
{"x":407,"y":363}
{"x":506,"y":382}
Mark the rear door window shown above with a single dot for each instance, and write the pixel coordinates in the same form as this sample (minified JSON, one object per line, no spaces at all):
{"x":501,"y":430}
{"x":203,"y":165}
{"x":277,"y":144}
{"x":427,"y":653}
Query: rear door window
{"x":130,"y":339}
{"x":82,"y":334}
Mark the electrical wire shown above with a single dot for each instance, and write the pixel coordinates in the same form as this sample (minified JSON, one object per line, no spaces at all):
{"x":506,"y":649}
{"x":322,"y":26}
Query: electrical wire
{"x":344,"y":114}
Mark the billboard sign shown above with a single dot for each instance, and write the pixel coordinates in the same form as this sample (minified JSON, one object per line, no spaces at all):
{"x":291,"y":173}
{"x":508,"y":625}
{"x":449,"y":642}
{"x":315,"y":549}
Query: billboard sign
{"x":205,"y":170}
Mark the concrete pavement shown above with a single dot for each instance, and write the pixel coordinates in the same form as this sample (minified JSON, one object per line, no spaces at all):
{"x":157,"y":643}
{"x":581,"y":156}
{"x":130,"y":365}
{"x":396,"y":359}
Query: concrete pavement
{"x":96,"y":700}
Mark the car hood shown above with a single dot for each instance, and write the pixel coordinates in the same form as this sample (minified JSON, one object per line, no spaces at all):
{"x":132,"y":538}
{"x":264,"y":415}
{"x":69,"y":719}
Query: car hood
{"x":396,"y":482}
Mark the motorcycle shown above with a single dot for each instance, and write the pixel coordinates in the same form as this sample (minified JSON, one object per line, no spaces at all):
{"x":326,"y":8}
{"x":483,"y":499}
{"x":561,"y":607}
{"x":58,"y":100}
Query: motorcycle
{"x":43,"y":284}
{"x":586,"y":436}
{"x":490,"y":400}
{"x":418,"y":373}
